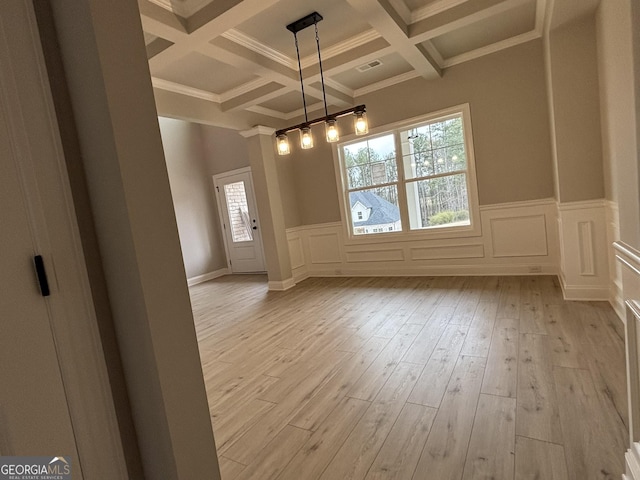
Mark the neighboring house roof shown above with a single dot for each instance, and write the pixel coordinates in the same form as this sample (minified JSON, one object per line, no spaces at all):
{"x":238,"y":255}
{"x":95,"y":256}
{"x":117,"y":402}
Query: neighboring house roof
{"x":381,"y":211}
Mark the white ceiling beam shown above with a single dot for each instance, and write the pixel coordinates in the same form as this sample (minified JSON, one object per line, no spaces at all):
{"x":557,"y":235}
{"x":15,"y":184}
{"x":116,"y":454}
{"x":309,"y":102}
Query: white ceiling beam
{"x":383,"y":17}
{"x":493,"y":48}
{"x":458,"y":17}
{"x":238,"y":56}
{"x":185,"y":90}
{"x":227,"y":14}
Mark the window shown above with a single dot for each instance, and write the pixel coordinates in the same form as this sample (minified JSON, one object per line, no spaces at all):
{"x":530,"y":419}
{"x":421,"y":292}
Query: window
{"x":419,"y":177}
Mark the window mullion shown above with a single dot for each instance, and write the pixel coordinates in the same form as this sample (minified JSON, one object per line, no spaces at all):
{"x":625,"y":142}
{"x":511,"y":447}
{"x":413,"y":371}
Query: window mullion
{"x":402,"y":190}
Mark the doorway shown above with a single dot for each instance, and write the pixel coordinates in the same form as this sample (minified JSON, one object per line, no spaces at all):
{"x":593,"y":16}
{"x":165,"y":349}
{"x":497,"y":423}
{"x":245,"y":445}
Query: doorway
{"x":239,"y":221}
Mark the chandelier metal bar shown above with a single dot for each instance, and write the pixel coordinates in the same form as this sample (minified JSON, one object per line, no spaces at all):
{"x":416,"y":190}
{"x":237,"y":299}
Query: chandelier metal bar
{"x":358,"y":108}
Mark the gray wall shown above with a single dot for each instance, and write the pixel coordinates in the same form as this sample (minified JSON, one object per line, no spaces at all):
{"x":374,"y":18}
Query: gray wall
{"x":615,"y":62}
{"x":193,"y":197}
{"x":507,"y":95}
{"x":574,"y":74}
{"x":194,"y":153}
{"x":224,"y":149}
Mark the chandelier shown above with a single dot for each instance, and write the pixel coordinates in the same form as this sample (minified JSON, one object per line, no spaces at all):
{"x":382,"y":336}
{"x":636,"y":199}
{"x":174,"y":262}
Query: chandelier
{"x":360,"y":124}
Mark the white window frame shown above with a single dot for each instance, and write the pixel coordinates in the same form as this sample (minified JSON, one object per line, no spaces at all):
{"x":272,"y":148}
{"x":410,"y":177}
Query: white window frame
{"x":406,"y":234}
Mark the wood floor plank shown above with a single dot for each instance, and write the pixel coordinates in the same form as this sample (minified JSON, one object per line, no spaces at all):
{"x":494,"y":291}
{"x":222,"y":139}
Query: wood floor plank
{"x":328,"y":397}
{"x":537,"y":460}
{"x":401,"y":451}
{"x":273,"y":459}
{"x":435,"y":376}
{"x":492,"y":446}
{"x":501,"y":376}
{"x":593,"y":450}
{"x":532,"y":307}
{"x":229,"y":470}
{"x":538,"y":414}
{"x":228,"y":428}
{"x":315,"y":455}
{"x":480,"y":332}
{"x":360,"y":449}
{"x":609,"y":379}
{"x":565,"y":337}
{"x":445,"y":451}
{"x":422,"y":348}
{"x":509,"y":305}
{"x":372,"y":380}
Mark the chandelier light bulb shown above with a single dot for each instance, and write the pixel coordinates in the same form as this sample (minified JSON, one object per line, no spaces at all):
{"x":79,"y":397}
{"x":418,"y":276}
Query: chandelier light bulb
{"x":283,"y":144}
{"x":360,"y":124}
{"x":306,"y":139}
{"x":332,"y":131}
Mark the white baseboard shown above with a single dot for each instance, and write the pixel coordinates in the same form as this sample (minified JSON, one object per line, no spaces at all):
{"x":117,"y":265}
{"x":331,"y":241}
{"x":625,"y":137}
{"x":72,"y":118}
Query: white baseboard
{"x":632,"y":463}
{"x":207,"y":276}
{"x":582,"y":293}
{"x":280,"y":286}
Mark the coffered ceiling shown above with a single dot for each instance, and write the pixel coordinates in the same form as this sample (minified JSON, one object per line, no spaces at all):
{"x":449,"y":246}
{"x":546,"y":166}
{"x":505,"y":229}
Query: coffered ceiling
{"x":239,"y":55}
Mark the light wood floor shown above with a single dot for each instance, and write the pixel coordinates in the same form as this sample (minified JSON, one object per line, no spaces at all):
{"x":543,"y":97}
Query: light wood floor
{"x":432,"y":378}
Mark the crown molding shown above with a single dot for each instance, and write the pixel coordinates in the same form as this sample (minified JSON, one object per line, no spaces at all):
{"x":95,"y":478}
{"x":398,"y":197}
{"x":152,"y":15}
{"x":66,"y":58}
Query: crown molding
{"x":267,"y":112}
{"x":494,"y":47}
{"x":258,"y":130}
{"x":244,"y":88}
{"x":541,"y":14}
{"x":338,"y":86}
{"x":403,"y":77}
{"x":184,"y":9}
{"x":257,"y":46}
{"x":434,"y":8}
{"x":434,"y":52}
{"x":184,"y":90}
{"x":341,"y":47}
{"x":401,"y":9}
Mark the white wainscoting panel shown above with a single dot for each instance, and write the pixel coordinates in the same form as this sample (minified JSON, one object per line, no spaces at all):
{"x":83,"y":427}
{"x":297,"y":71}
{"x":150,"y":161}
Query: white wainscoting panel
{"x":447,"y":252}
{"x":516,"y":239}
{"x":524,"y":236}
{"x":296,"y":252}
{"x":377,"y":255}
{"x":584,"y":265}
{"x":325,"y":247}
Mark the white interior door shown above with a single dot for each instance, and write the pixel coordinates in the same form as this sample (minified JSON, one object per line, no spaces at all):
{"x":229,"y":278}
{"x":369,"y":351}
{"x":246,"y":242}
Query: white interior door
{"x":34,"y":415}
{"x":239,"y":218}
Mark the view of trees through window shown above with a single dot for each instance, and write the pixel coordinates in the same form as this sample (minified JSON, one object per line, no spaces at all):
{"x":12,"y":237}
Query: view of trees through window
{"x":435,"y":162}
{"x":433,"y":159}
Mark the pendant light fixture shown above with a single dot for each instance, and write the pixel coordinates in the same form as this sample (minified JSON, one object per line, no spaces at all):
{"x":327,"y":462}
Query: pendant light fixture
{"x":332,"y":133}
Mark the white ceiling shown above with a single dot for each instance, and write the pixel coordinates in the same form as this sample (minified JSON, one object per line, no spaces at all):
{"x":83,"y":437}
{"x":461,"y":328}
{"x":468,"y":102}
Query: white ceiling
{"x":238,"y":53}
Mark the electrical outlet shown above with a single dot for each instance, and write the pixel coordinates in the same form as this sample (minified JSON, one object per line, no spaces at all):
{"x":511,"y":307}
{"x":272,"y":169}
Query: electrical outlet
{"x":535,"y":269}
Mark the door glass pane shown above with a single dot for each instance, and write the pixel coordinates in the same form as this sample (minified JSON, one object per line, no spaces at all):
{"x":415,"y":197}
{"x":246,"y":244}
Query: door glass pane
{"x":238,"y":212}
{"x":375,"y":210}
